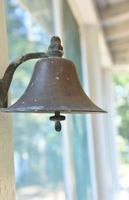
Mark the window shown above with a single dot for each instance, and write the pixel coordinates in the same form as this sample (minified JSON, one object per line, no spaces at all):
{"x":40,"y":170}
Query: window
{"x":37,"y":147}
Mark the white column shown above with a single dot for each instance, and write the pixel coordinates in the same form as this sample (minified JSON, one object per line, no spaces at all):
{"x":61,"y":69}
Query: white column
{"x":111,"y":130}
{"x":6,"y":147}
{"x":88,"y":117}
{"x":66,"y":137}
{"x":98,"y":127}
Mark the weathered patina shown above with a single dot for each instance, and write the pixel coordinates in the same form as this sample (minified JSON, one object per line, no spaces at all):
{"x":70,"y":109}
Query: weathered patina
{"x":53,"y":88}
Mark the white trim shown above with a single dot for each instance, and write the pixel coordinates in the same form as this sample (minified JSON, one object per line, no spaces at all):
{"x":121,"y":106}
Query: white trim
{"x":120,"y":68}
{"x":84,"y":11}
{"x":95,"y":85}
{"x":111,"y":131}
{"x":86,"y":14}
{"x":57,"y":12}
{"x":88,"y":118}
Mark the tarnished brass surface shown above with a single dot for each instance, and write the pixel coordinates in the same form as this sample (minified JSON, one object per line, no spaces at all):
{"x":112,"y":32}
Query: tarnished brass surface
{"x":54,"y":87}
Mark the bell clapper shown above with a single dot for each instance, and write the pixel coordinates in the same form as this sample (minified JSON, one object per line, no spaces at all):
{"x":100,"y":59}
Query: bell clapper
{"x":57,"y":118}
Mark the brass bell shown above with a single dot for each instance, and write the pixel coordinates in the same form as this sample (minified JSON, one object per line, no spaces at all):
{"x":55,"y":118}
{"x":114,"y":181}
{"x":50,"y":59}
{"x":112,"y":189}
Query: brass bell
{"x":54,"y":88}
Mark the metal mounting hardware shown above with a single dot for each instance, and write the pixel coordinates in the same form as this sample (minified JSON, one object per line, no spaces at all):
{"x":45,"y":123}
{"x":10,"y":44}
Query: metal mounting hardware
{"x":53,"y":88}
{"x":57,"y":118}
{"x":55,"y":49}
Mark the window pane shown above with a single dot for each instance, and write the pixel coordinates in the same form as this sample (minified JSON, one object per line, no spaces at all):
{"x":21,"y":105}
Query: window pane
{"x":37,"y":147}
{"x":78,"y":129}
{"x":42,"y":12}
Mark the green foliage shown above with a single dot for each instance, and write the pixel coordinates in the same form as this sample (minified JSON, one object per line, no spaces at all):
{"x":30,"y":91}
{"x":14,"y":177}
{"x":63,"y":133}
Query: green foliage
{"x":122,"y":104}
{"x":122,"y":79}
{"x":122,"y":89}
{"x":123,"y":149}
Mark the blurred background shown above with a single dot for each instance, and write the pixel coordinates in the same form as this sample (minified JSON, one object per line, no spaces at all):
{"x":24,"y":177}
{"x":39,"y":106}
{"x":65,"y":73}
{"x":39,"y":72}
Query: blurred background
{"x":89,"y":160}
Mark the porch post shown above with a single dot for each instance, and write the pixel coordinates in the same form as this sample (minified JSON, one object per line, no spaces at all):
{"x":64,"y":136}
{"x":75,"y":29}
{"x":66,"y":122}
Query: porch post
{"x":6,"y":147}
{"x":98,"y":128}
{"x":111,"y":131}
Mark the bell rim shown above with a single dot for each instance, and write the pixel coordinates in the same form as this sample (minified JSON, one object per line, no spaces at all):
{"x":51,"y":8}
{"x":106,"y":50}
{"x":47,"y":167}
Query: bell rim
{"x":66,"y":111}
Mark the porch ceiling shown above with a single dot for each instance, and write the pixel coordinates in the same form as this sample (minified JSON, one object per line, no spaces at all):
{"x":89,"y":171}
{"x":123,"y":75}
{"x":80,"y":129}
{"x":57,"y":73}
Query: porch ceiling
{"x":114,"y":18}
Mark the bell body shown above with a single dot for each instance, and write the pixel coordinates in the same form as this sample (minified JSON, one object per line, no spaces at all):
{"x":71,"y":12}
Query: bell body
{"x":54,"y":86}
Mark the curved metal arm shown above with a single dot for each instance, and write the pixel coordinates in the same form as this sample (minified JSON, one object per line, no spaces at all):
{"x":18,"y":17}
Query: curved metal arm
{"x":5,"y":82}
{"x":55,"y":49}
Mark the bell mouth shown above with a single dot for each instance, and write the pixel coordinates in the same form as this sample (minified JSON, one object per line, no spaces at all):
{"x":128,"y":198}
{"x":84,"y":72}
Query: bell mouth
{"x":57,"y":118}
{"x":54,"y":86}
{"x":40,"y":109}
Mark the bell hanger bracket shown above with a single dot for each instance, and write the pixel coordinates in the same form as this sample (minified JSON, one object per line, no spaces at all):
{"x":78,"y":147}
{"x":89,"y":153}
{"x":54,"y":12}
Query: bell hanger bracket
{"x":55,"y":49}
